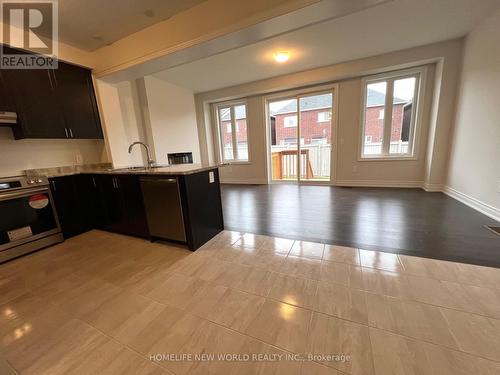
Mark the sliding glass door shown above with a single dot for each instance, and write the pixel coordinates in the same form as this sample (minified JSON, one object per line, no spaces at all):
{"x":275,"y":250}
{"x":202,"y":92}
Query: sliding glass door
{"x":300,"y":131}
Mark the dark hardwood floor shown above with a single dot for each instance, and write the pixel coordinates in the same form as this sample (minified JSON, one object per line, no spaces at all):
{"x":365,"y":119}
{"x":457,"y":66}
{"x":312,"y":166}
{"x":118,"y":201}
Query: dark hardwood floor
{"x":407,"y":221}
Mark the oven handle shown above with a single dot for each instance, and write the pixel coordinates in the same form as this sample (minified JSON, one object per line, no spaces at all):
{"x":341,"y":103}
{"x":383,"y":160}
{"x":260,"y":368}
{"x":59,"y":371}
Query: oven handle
{"x":22,"y":193}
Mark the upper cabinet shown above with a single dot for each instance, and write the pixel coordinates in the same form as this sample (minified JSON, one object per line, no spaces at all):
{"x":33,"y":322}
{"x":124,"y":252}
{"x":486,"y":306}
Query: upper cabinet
{"x":51,"y":103}
{"x":36,"y":103}
{"x":77,"y":99}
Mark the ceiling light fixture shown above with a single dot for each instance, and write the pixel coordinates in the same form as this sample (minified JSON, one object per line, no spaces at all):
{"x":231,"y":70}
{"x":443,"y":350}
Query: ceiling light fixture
{"x":281,"y":56}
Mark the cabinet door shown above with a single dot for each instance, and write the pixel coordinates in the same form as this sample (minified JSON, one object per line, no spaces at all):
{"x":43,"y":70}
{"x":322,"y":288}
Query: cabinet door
{"x":6,"y":103}
{"x":76,"y":96}
{"x":68,"y":207}
{"x":134,"y":221}
{"x":111,"y":202}
{"x":36,"y":102}
{"x":88,"y":198}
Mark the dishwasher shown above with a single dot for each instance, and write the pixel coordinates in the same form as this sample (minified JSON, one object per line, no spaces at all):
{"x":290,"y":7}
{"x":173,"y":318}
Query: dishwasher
{"x":162,"y":201}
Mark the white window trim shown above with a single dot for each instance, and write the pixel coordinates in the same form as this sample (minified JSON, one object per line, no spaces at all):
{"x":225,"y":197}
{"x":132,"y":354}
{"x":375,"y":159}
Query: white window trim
{"x":415,"y":127}
{"x":220,"y":135}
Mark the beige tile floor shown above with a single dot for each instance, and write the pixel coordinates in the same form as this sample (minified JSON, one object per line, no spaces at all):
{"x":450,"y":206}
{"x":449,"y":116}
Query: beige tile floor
{"x":103,"y":303}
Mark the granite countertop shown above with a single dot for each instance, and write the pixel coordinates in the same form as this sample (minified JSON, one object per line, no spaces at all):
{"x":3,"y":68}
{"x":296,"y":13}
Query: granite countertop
{"x":106,"y":168}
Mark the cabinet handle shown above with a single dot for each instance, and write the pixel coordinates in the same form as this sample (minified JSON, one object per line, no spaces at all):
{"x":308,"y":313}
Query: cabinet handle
{"x":66,"y":131}
{"x":93,"y":182}
{"x":71,"y":133}
{"x":53,"y":185}
{"x":114,"y":183}
{"x":117,"y":183}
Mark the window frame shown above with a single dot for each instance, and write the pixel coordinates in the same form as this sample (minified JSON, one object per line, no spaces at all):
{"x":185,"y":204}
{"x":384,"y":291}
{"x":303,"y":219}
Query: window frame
{"x":415,"y":126}
{"x":234,"y":135}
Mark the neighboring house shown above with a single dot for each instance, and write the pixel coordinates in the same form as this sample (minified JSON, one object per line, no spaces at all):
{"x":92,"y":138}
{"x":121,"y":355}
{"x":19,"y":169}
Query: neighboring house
{"x":375,"y":118}
{"x":241,"y":125}
{"x":316,"y":125}
{"x":316,"y":121}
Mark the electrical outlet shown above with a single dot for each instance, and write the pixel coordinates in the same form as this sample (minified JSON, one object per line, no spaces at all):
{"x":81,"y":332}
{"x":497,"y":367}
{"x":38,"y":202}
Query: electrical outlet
{"x":79,"y":159}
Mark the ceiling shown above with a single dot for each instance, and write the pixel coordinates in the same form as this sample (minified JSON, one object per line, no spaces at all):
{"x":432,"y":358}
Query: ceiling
{"x":92,"y":24}
{"x":391,"y":26}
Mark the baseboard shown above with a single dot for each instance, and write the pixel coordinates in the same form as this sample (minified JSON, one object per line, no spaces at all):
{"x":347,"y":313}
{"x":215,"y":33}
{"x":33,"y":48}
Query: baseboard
{"x":433,"y":187}
{"x":472,"y":202}
{"x":245,"y":181}
{"x":379,"y":183}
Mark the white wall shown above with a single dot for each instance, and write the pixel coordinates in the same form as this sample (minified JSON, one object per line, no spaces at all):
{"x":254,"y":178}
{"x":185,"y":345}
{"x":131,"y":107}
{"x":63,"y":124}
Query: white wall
{"x":474,"y":164}
{"x":172,"y":119}
{"x":120,"y":118}
{"x":16,"y":156}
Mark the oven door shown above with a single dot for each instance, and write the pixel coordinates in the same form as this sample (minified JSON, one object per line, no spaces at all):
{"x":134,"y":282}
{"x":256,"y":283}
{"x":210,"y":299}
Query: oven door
{"x":26,"y":215}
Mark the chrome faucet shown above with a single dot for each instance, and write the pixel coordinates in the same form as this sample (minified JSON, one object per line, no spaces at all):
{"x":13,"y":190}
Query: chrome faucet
{"x":151,"y":162}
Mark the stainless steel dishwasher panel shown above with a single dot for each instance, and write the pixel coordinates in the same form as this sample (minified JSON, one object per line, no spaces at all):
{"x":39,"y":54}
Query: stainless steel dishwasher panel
{"x":162,"y":201}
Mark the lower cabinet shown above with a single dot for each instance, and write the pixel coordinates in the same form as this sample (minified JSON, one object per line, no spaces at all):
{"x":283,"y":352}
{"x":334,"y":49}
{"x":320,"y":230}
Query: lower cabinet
{"x":112,"y":203}
{"x":185,"y":209}
{"x":122,"y":205}
{"x":74,"y":198}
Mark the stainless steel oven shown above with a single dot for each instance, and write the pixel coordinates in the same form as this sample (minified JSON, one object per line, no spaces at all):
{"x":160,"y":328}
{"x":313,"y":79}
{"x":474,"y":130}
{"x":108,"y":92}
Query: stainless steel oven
{"x":28,"y":219}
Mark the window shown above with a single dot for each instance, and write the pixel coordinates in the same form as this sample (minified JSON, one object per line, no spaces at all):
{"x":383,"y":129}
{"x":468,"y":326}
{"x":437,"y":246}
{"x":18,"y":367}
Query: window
{"x":232,"y":120}
{"x":324,"y":116}
{"x":290,"y":121}
{"x":390,"y":136}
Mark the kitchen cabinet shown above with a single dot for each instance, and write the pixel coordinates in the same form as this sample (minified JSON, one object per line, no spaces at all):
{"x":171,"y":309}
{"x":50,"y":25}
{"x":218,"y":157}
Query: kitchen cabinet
{"x":51,"y":103}
{"x":122,"y":204}
{"x":182,"y":208}
{"x":74,"y":201}
{"x":38,"y":110}
{"x":76,"y":96}
{"x":202,"y":206}
{"x":6,"y":104}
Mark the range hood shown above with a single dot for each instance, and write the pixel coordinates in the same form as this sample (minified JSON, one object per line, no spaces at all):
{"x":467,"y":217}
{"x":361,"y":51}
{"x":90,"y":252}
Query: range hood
{"x":8,"y":117}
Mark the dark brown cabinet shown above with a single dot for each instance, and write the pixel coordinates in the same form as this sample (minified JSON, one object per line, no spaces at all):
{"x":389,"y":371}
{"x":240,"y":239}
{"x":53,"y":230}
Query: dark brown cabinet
{"x":115,"y":203}
{"x":122,"y":204}
{"x":6,"y":104}
{"x":36,"y":103}
{"x":75,"y":201}
{"x":75,"y":93}
{"x":51,"y":103}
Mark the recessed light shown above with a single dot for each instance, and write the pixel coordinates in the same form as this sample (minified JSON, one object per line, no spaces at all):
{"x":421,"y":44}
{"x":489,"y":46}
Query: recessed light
{"x":281,"y":56}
